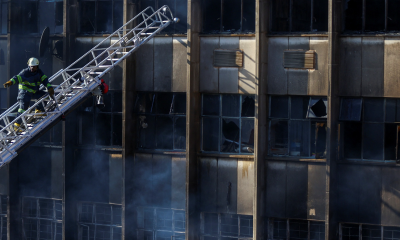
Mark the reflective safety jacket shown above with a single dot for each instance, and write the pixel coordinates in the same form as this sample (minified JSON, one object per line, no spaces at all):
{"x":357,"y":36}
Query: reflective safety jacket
{"x":30,"y":81}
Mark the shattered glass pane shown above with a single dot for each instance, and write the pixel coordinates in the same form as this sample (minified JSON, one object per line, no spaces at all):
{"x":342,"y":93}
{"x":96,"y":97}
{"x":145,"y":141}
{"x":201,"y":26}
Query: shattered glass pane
{"x":180,"y":133}
{"x":211,"y":105}
{"x":145,"y":103}
{"x":164,"y":103}
{"x":280,"y":15}
{"x":298,"y":107}
{"x":373,"y":141}
{"x":247,"y":143}
{"x":210,"y":134}
{"x":393,"y":18}
{"x":350,"y":109}
{"x":230,"y":105}
{"x":248,"y":106}
{"x":301,"y":16}
{"x":352,"y":140}
{"x":230,"y":135}
{"x":104,"y":17}
{"x":179,"y":106}
{"x":212,"y":16}
{"x":317,"y":108}
{"x":299,"y":138}
{"x":87,"y":17}
{"x":353,"y":15}
{"x":249,"y":16}
{"x":165,"y":132}
{"x":373,"y":109}
{"x":279,"y":107}
{"x":374,"y":15}
{"x":146,"y":132}
{"x":278,"y":135}
{"x":232,"y":11}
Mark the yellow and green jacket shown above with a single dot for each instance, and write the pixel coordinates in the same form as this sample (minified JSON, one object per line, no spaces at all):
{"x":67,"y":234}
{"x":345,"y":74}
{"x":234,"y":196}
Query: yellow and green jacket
{"x":30,"y":81}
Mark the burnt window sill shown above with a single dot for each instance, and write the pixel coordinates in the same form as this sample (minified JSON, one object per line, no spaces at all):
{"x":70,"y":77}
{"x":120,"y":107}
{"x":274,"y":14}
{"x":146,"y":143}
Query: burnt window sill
{"x":227,"y":34}
{"x":369,"y":162}
{"x":158,"y":151}
{"x":227,"y":155}
{"x":296,"y":159}
{"x":302,"y":34}
{"x":369,"y":34}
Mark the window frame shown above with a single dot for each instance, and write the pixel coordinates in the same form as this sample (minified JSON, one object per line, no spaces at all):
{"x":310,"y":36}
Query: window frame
{"x":271,"y":227}
{"x":360,"y":229}
{"x":241,"y":218}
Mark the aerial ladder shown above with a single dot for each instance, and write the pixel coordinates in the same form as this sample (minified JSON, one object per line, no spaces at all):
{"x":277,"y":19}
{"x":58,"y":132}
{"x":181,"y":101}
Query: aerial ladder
{"x":79,"y":82}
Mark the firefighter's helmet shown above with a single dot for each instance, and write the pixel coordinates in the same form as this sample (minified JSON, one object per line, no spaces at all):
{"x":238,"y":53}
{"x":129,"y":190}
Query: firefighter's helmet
{"x":33,"y":62}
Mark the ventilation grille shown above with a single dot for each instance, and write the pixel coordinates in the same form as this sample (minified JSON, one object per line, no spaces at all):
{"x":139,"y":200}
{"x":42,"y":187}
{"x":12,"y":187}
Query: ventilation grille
{"x":299,"y":59}
{"x":228,"y":58}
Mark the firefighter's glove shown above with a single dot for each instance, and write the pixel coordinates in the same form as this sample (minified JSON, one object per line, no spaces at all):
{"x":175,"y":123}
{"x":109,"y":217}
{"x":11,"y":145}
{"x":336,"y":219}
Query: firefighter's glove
{"x":7,"y":84}
{"x":51,"y":92}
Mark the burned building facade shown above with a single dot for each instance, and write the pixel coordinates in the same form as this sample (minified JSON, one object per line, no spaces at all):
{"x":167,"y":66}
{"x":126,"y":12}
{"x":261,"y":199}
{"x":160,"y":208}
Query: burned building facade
{"x":266,"y":119}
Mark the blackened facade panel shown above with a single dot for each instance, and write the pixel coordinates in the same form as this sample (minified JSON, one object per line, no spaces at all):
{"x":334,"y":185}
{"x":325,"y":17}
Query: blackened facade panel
{"x":318,"y":78}
{"x":227,"y":185}
{"x":179,"y":65}
{"x":4,"y":176}
{"x":141,"y":176}
{"x":208,"y":184}
{"x":277,"y":76}
{"x":161,"y":179}
{"x":296,"y":190}
{"x":163,"y":64}
{"x":178,"y":183}
{"x":316,"y":191}
{"x":348,"y":192}
{"x":391,"y":69}
{"x":247,"y":74}
{"x":115,"y":184}
{"x":350,"y":66}
{"x":390,"y":196}
{"x":245,"y":194}
{"x":297,"y":81}
{"x":208,"y":73}
{"x":276,"y":189}
{"x":144,"y":67}
{"x":228,"y":77}
{"x":3,"y":61}
{"x":372,"y":66}
{"x":56,"y":174}
{"x":370,"y":194}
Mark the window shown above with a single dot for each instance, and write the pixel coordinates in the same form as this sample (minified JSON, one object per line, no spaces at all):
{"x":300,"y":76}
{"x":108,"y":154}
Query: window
{"x":3,"y":217}
{"x":371,"y":16}
{"x":161,"y":121}
{"x":226,"y":226}
{"x":229,"y":16}
{"x":368,"y":232}
{"x":3,"y":16}
{"x":99,"y":221}
{"x":160,"y":223}
{"x":53,"y":136}
{"x":228,"y":123}
{"x":297,"y":126}
{"x":370,"y":128}
{"x":41,"y":218}
{"x":101,"y":125}
{"x":178,"y":9}
{"x":288,"y":229}
{"x":100,"y":16}
{"x":37,"y":14}
{"x":299,"y":16}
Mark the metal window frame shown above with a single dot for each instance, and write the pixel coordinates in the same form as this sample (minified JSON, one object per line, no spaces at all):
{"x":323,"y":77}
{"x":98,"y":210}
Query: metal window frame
{"x":220,"y":117}
{"x":219,"y":219}
{"x":288,"y":220}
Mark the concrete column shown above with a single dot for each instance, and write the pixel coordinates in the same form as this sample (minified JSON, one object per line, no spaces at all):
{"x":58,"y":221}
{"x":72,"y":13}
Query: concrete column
{"x":193,"y":105}
{"x":261,"y":129}
{"x":334,"y":27}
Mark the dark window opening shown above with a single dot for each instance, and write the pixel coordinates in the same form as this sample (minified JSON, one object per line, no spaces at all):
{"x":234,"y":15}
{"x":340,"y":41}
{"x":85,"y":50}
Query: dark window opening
{"x":352,"y":139}
{"x":372,"y":140}
{"x":391,"y":233}
{"x":350,"y":109}
{"x":297,"y":229}
{"x":350,"y":231}
{"x":161,"y":121}
{"x":299,"y":16}
{"x":228,"y":16}
{"x":3,"y":18}
{"x":278,"y":137}
{"x":370,"y":232}
{"x":53,"y":17}
{"x":226,"y":226}
{"x":393,"y":18}
{"x":29,"y":14}
{"x":374,"y":15}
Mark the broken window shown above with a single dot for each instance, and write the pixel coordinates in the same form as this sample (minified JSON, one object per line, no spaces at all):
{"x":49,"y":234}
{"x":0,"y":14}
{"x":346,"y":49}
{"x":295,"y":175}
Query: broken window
{"x":39,"y":14}
{"x":3,"y":17}
{"x":161,"y":120}
{"x":101,"y":124}
{"x":228,"y":123}
{"x":41,"y":218}
{"x":298,"y":126}
{"x":297,"y":229}
{"x":371,"y":16}
{"x":177,"y":7}
{"x":100,"y":16}
{"x":372,"y":135}
{"x":299,"y":16}
{"x":99,"y":221}
{"x":233,"y":16}
{"x":226,"y":226}
{"x":160,"y":223}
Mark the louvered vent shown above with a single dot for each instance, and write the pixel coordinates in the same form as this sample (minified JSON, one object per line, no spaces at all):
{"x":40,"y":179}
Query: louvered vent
{"x":299,"y":59}
{"x":228,"y":58}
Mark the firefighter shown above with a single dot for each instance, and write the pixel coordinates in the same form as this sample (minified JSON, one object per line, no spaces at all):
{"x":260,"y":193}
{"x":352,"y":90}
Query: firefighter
{"x":29,"y":81}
